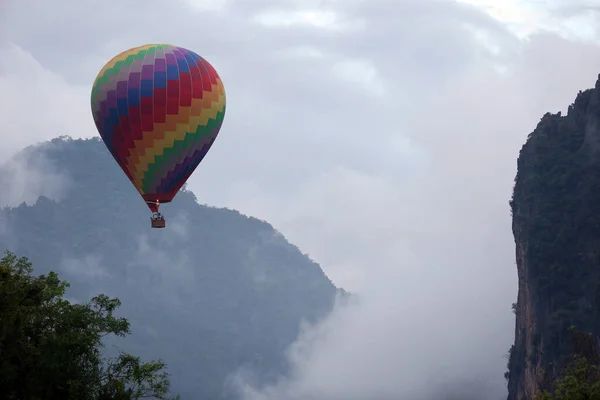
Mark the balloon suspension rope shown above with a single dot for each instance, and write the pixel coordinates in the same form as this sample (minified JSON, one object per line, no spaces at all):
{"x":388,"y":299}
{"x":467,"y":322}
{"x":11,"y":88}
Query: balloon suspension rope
{"x":156,"y":214}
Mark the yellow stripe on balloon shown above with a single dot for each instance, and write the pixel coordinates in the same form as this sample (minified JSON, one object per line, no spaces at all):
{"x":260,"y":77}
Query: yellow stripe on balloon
{"x":220,"y":101}
{"x":175,"y":129}
{"x":170,"y":124}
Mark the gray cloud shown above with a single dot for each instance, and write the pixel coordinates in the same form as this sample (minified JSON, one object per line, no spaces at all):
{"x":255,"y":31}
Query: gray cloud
{"x":25,"y":178}
{"x":37,"y":104}
{"x":88,"y":268}
{"x":383,"y":143}
{"x":169,"y":276}
{"x":421,"y":334}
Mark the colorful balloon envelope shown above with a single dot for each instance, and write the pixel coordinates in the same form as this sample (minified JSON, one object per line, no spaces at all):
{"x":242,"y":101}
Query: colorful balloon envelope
{"x":158,"y":109}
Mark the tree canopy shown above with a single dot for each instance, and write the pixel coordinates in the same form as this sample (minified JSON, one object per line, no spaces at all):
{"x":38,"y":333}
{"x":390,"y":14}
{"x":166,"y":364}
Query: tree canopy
{"x":581,"y":381}
{"x":581,"y":377}
{"x":51,"y":348}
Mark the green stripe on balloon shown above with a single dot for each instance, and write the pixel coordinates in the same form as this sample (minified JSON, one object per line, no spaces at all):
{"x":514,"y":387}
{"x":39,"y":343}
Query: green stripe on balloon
{"x":170,"y":154}
{"x":115,"y":69}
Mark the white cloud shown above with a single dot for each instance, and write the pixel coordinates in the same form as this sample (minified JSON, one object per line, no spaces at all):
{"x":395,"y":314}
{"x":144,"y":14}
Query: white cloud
{"x":88,"y":268}
{"x":25,"y":178}
{"x":574,"y":19}
{"x":37,"y":104}
{"x":322,"y":19}
{"x":169,"y":276}
{"x":418,"y":334}
{"x":362,"y":73}
{"x":208,"y":5}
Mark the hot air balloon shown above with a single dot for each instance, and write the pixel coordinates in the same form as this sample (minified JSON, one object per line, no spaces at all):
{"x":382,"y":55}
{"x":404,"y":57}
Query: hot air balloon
{"x":158,"y":109}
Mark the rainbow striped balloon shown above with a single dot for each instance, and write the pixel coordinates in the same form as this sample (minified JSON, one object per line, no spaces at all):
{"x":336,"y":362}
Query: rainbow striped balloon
{"x":158,"y":109}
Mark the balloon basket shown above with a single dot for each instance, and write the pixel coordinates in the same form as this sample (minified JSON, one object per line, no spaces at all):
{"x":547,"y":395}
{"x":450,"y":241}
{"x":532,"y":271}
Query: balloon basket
{"x":158,"y":221}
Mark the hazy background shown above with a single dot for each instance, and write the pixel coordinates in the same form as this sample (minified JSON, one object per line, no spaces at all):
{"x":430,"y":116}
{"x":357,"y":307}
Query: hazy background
{"x":379,"y":136}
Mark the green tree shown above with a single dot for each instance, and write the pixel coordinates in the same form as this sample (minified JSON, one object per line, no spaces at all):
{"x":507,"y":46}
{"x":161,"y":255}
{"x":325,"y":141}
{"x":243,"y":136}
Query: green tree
{"x":52,"y":349}
{"x":581,"y":381}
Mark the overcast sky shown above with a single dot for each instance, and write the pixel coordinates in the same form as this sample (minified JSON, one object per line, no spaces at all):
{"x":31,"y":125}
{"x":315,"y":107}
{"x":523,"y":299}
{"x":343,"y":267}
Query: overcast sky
{"x":379,"y":136}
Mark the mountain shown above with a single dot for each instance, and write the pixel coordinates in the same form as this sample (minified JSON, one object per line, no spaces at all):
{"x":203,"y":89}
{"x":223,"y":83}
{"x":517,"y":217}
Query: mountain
{"x":213,"y":292}
{"x":556,"y":226}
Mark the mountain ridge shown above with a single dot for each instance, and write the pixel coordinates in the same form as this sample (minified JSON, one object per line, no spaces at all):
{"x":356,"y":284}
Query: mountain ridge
{"x":214,"y":292}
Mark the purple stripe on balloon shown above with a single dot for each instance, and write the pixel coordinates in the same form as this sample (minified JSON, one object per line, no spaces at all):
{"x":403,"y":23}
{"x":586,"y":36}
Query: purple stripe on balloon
{"x":122,"y":89}
{"x":111,"y":99}
{"x":177,"y":171}
{"x":170,"y":59}
{"x":103,"y":110}
{"x":134,"y":80}
{"x":178,"y":54}
{"x":147,"y":72}
{"x":163,"y":180}
{"x":160,"y":65}
{"x":173,"y":173}
{"x":160,"y":188}
{"x":174,"y":167}
{"x":203,"y":145}
{"x":189,"y":167}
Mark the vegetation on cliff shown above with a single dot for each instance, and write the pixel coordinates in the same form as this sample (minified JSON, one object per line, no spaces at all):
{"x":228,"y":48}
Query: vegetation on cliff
{"x":581,"y":378}
{"x":556,"y":215}
{"x":581,"y":381}
{"x":51,"y":349}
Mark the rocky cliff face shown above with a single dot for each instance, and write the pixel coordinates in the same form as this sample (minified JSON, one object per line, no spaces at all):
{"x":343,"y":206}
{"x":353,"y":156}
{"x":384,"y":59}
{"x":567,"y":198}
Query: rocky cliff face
{"x":556,"y":225}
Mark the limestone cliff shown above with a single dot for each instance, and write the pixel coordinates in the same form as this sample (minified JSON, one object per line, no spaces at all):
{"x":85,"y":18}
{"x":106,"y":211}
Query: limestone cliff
{"x":556,"y":226}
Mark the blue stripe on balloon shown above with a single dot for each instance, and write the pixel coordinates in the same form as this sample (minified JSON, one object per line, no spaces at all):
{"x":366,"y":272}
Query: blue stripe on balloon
{"x":133,"y":97}
{"x":146,"y":88}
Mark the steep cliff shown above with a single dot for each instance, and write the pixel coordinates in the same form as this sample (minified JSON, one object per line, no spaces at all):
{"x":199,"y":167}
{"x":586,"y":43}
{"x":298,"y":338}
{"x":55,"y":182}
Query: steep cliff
{"x":214,"y":292}
{"x":556,"y":226}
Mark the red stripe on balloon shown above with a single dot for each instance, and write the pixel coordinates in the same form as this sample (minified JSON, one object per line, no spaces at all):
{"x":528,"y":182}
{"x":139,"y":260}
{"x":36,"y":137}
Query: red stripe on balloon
{"x":172,"y":97}
{"x":146,"y":109}
{"x":185,"y":85}
{"x":206,"y":86}
{"x":160,"y":105}
{"x":196,"y":76}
